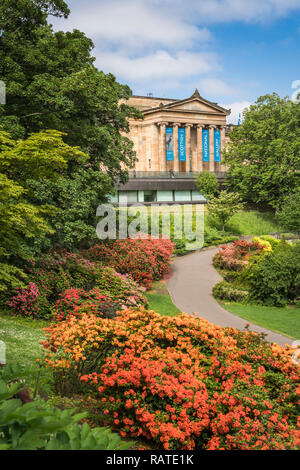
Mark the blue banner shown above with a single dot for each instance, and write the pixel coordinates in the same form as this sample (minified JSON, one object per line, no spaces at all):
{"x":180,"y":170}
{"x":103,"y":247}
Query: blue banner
{"x":205,"y":144}
{"x":169,"y":144}
{"x":217,"y":145}
{"x":181,"y":144}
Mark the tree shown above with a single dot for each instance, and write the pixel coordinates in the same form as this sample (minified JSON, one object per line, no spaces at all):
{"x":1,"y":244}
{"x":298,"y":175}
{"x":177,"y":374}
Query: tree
{"x":223,"y":207}
{"x":51,"y":83}
{"x":207,"y":184}
{"x":289,"y":213}
{"x":43,"y":156}
{"x":263,"y":154}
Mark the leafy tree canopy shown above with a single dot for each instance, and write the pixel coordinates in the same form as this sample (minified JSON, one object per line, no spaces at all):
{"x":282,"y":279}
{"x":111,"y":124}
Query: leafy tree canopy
{"x":207,"y":184}
{"x":289,"y":213}
{"x":43,"y":156}
{"x":51,"y":83}
{"x":263,"y":154}
{"x":223,"y":207}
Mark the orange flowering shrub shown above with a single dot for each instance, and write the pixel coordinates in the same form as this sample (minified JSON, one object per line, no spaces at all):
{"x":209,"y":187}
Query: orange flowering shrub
{"x":180,"y":382}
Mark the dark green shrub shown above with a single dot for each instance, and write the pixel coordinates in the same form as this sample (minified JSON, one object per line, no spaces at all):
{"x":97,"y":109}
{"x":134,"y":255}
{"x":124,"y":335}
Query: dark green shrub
{"x":275,"y":279}
{"x":223,"y":290}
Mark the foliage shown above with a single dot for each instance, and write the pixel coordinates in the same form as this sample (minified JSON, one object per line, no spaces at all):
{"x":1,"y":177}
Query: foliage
{"x":289,"y":213}
{"x":226,"y":291}
{"x":56,"y":275}
{"x":35,"y":426}
{"x":208,"y":184}
{"x":235,"y":256}
{"x":180,"y":381}
{"x":263,"y":154}
{"x":265,"y":244}
{"x":145,"y":260}
{"x":275,"y":279}
{"x":77,"y":301}
{"x":121,"y":287}
{"x":51,"y":83}
{"x":41,"y":156}
{"x":223,"y":207}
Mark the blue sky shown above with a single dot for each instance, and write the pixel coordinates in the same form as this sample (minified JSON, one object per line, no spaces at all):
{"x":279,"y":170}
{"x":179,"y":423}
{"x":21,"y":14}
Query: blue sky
{"x":232,"y":50}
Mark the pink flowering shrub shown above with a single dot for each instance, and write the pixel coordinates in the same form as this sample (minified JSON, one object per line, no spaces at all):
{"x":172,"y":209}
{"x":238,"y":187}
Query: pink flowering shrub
{"x":145,"y":260}
{"x":235,"y":256}
{"x":25,"y":302}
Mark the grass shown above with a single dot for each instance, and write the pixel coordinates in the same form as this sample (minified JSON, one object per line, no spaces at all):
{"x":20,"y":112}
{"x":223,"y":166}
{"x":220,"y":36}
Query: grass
{"x":253,"y":223}
{"x":285,"y":320}
{"x":22,"y":338}
{"x":160,"y":300}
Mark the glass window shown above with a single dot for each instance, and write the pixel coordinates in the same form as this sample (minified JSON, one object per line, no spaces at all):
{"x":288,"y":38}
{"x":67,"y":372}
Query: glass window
{"x":182,"y":195}
{"x":165,"y":196}
{"x":197,"y":196}
{"x":149,"y":196}
{"x":127,"y":196}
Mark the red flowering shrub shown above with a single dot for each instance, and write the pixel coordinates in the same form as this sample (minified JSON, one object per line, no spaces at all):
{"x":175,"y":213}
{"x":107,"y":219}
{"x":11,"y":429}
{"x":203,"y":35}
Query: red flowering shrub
{"x":180,"y":382}
{"x":144,"y":259}
{"x":77,"y":302}
{"x":235,"y":256}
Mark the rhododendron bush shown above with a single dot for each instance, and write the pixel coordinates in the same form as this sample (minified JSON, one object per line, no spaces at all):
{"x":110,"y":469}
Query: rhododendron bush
{"x":180,"y":382}
{"x":55,"y":277}
{"x":145,"y":259}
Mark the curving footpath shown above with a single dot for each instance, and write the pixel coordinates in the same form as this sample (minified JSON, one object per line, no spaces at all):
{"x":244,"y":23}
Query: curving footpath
{"x":190,"y":287}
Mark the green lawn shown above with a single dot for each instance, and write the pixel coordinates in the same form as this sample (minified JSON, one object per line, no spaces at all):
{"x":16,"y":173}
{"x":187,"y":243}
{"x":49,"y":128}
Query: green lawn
{"x":22,"y":338}
{"x":253,"y":223}
{"x":160,"y":300}
{"x":281,"y":320}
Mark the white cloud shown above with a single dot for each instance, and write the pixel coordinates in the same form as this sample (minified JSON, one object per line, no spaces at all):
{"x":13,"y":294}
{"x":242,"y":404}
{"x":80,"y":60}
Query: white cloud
{"x":133,"y":23}
{"x":159,"y":65}
{"x":236,"y":108}
{"x":214,"y":87}
{"x":220,"y":11}
{"x":165,"y":42}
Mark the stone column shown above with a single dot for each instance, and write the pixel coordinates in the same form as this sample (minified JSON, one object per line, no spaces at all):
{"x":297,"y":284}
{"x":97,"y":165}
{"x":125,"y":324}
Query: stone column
{"x":162,"y":147}
{"x":199,"y":165}
{"x":211,"y":149}
{"x":188,"y":148}
{"x":223,"y":143}
{"x":175,"y":141}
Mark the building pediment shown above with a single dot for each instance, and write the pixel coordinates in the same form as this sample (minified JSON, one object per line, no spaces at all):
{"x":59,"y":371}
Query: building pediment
{"x":190,"y":105}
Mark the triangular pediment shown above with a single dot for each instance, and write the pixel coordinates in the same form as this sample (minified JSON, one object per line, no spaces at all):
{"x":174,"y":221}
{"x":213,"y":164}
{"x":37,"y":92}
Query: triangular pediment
{"x":193,"y":104}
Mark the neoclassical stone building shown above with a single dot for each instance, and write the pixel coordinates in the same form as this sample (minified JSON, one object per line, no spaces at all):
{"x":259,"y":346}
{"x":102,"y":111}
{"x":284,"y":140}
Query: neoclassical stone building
{"x":176,"y":140}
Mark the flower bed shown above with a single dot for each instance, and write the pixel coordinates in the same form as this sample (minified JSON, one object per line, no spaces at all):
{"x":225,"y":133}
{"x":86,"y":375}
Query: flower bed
{"x":63,"y":274}
{"x":145,"y":260}
{"x":180,"y":382}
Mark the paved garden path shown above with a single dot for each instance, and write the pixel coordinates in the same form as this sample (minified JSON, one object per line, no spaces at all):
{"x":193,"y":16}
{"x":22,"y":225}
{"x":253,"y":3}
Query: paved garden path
{"x":190,"y":287}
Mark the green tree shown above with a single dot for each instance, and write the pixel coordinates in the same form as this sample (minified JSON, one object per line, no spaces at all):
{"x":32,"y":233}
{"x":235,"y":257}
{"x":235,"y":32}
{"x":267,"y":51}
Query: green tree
{"x":51,"y":83}
{"x":263,"y":154}
{"x":289,"y":213}
{"x":223,"y":207}
{"x":207,"y":184}
{"x":43,"y":156}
